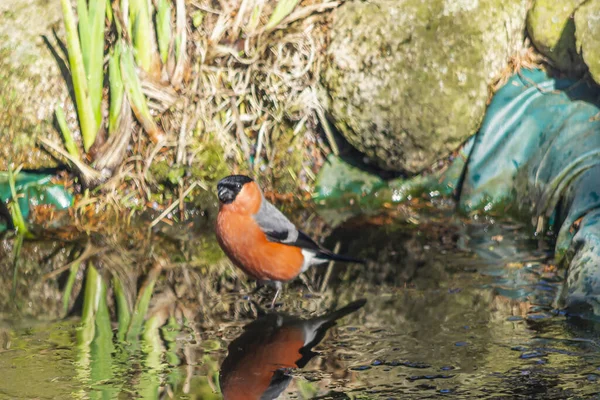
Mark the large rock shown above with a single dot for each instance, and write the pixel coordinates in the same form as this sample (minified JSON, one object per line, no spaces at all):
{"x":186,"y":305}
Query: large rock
{"x":587,"y":21}
{"x":30,"y":80}
{"x":552,"y":30}
{"x":408,"y":79}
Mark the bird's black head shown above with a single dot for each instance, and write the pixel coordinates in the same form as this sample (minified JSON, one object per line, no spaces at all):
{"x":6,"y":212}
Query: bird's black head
{"x":229,"y":187}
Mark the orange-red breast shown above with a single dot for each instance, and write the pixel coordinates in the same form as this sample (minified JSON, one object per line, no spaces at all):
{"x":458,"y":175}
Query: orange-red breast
{"x":259,"y":239}
{"x":258,"y":360}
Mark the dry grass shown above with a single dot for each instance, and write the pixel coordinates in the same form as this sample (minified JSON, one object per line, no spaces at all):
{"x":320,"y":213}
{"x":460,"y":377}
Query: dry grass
{"x":244,"y":101}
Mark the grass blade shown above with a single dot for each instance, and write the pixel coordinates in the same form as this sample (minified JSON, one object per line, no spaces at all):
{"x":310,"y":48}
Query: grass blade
{"x":91,"y":298}
{"x":69,"y":286}
{"x":66,"y":133}
{"x":153,"y":349}
{"x":102,"y":347}
{"x":255,"y":17}
{"x":109,"y":13}
{"x":141,"y":305}
{"x":142,"y":34}
{"x":163,"y":28}
{"x":15,"y":208}
{"x":16,"y":257}
{"x":84,"y":31}
{"x":133,"y":87}
{"x":97,"y":14}
{"x":116,"y":88}
{"x":123,"y":308}
{"x":84,"y":107}
{"x":282,"y":10}
{"x":180,"y":43}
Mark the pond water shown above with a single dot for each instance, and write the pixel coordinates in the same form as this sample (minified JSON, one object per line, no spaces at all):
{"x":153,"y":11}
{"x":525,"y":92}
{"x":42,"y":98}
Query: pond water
{"x":456,"y":308}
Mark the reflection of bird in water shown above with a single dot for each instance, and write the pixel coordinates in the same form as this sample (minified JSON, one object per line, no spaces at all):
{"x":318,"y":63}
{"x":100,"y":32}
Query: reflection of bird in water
{"x":260,"y":240}
{"x":258,"y":360}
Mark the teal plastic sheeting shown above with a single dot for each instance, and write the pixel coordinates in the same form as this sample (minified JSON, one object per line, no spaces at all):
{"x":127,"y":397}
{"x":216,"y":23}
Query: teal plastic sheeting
{"x":537,"y":155}
{"x":32,"y":189}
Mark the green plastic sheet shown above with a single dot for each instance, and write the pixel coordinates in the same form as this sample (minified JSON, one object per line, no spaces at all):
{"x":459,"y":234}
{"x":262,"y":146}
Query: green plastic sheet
{"x":535,"y":158}
{"x":32,"y":189}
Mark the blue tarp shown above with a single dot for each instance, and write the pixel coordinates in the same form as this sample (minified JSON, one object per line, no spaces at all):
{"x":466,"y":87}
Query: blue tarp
{"x":536,"y":157}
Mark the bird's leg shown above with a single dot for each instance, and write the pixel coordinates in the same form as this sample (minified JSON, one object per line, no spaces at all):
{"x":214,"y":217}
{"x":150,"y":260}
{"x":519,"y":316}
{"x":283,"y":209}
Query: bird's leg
{"x":278,"y":286}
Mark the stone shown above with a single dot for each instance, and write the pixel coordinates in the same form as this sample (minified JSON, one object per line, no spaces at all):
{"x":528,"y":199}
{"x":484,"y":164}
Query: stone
{"x":587,"y":22}
{"x":551,"y":28}
{"x":31,"y":84}
{"x":407,"y":81}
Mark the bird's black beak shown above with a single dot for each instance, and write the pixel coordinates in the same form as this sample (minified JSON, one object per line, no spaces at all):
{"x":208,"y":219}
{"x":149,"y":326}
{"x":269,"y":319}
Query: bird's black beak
{"x":225,"y":194}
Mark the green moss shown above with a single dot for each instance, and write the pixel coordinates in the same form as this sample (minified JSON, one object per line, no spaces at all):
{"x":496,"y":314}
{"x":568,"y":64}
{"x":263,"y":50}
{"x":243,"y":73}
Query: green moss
{"x":287,"y":158}
{"x":209,"y":165}
{"x":165,"y":173}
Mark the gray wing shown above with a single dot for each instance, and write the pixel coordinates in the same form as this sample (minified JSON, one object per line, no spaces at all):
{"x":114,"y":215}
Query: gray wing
{"x":280,"y":229}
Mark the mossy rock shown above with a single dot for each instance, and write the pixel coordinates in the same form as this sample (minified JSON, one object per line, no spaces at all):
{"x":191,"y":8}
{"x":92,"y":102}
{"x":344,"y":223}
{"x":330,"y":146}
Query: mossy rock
{"x":408,"y":80}
{"x":552,"y":30}
{"x":286,"y":159}
{"x":31,"y":83}
{"x":587,"y":21}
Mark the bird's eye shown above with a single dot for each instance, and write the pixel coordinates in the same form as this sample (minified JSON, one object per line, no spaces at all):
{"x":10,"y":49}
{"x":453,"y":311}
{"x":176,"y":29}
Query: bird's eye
{"x":238,"y":185}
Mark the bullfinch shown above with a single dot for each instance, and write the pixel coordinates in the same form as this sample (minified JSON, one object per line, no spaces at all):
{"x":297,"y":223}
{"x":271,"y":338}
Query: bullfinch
{"x":260,"y":240}
{"x":258,"y":362}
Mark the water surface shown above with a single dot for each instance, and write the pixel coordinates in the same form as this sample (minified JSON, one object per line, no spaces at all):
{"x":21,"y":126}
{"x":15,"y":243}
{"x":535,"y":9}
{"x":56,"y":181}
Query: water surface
{"x":453,"y":308}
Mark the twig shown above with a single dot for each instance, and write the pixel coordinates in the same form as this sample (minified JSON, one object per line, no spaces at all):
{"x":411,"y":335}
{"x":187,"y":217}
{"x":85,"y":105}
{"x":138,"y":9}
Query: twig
{"x":329,"y":269}
{"x":259,"y":143}
{"x":174,"y":205}
{"x":327,"y":129}
{"x":88,"y":174}
{"x":87,"y":253}
{"x":180,"y":159}
{"x":240,"y":129}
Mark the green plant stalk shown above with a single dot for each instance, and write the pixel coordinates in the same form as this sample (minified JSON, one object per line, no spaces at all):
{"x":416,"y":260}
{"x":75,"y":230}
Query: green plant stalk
{"x":109,"y":13}
{"x":169,"y":333}
{"x":102,"y":348}
{"x":123,"y":308}
{"x":66,"y":133}
{"x":150,"y":379}
{"x":140,"y":21}
{"x":84,"y":31}
{"x":163,"y":28}
{"x":69,"y":286}
{"x":15,"y":208}
{"x":85,"y":332}
{"x":133,"y":88}
{"x":16,"y":257}
{"x":95,"y":69}
{"x":180,"y":40}
{"x":91,"y":298}
{"x":89,"y":130}
{"x":254,"y":18}
{"x":141,"y":308}
{"x":282,"y":10}
{"x":117,"y":90}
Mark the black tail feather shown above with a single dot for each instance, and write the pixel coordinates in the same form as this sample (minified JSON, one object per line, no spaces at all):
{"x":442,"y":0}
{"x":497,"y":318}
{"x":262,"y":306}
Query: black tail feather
{"x":331,"y":256}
